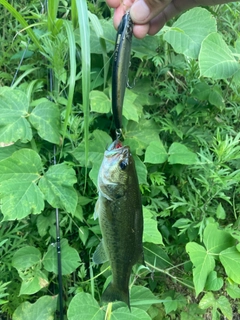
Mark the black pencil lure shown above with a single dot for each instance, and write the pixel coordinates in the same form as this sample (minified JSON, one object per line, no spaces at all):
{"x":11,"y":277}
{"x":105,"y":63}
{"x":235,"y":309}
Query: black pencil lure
{"x":121,"y":66}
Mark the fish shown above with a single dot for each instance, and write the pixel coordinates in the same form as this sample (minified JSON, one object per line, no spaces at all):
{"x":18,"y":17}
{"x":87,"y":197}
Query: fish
{"x":119,"y":210}
{"x":121,"y":63}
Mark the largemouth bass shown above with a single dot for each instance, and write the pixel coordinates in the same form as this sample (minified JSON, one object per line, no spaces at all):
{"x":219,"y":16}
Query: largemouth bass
{"x":119,"y":210}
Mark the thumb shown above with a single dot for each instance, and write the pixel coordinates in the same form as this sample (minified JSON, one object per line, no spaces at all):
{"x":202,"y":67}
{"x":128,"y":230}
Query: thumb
{"x":142,"y":11}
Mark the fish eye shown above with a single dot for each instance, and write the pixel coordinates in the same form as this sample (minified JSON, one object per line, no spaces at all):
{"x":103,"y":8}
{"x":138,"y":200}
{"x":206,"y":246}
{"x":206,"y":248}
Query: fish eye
{"x":123,"y":164}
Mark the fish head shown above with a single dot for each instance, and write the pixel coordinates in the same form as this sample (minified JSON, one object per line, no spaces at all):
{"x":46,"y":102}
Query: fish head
{"x":115,"y":170}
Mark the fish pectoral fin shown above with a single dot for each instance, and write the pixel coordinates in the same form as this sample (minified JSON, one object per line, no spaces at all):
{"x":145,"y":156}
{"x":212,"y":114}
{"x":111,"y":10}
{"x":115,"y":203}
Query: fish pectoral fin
{"x":100,"y":255}
{"x":96,"y":210}
{"x":99,"y":206}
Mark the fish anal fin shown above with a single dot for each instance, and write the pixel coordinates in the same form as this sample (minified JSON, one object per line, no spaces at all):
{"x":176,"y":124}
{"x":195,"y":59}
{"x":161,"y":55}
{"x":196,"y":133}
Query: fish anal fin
{"x":100,"y":255}
{"x":113,"y":293}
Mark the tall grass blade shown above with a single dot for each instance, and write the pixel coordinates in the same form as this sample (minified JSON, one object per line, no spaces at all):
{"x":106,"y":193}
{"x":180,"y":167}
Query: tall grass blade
{"x":27,"y":72}
{"x":99,"y":32}
{"x":74,"y":15}
{"x":72,"y":75}
{"x":52,"y":14}
{"x":86,"y":63}
{"x":22,"y":21}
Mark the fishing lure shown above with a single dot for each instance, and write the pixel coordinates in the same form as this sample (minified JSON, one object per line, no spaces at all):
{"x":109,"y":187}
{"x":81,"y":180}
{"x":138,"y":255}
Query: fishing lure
{"x":121,"y":66}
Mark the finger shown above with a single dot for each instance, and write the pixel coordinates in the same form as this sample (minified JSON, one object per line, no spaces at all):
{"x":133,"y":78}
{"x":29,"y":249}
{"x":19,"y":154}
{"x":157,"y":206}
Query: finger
{"x":113,"y":3}
{"x":120,"y":11}
{"x":142,"y":11}
{"x":117,"y":17}
{"x":140,"y":30}
{"x":168,"y":13}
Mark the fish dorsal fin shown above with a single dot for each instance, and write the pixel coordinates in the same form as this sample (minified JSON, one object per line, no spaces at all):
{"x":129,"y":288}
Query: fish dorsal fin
{"x":100,"y":255}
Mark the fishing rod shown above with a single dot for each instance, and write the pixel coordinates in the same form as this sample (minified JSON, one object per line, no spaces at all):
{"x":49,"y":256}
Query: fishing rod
{"x":58,"y":246}
{"x":58,"y":239}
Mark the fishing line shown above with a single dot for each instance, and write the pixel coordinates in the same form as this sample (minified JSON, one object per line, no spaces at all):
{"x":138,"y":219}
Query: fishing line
{"x":20,"y":63}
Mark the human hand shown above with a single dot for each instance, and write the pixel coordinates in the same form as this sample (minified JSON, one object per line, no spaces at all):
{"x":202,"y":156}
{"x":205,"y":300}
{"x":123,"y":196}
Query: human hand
{"x":149,"y":16}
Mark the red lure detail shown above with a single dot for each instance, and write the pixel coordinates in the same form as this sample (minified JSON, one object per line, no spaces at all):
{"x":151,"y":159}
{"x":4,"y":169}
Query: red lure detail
{"x":118,"y":145}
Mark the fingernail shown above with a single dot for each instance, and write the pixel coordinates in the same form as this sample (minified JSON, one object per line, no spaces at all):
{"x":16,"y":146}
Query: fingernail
{"x":139,"y":11}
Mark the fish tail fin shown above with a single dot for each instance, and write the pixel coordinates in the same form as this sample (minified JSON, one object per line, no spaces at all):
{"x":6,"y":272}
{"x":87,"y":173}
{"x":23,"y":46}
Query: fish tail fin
{"x":113,"y":293}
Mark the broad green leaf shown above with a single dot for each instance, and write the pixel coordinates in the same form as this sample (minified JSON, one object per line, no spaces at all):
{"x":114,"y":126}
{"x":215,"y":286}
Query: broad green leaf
{"x":188,"y":32}
{"x":18,"y":190}
{"x":233,"y":290}
{"x":213,"y":283}
{"x":13,"y":112}
{"x":109,"y":34}
{"x":193,"y":312}
{"x":124,"y":313}
{"x":156,"y":256}
{"x":216,"y":59}
{"x":84,"y":306}
{"x":182,"y":223}
{"x":220,"y":213}
{"x":156,"y":153}
{"x":43,"y":309}
{"x":142,"y":297}
{"x":45,"y":118}
{"x":222,"y":303}
{"x":27,"y":261}
{"x":216,"y":97}
{"x":69,"y":257}
{"x":145,"y":48}
{"x":170,"y":304}
{"x":201,"y":91}
{"x":130,"y":111}
{"x":45,"y":223}
{"x":20,"y":198}
{"x":57,"y":186}
{"x":230,"y":259}
{"x":99,"y":141}
{"x":99,"y":102}
{"x":33,"y":281}
{"x":83,"y":234}
{"x":144,"y":90}
{"x":141,"y":170}
{"x":142,"y":134}
{"x":203,"y":265}
{"x":180,"y":154}
{"x":150,"y":232}
{"x":207,"y":301}
{"x":7,"y":150}
{"x":216,"y":240}
{"x":26,"y":257}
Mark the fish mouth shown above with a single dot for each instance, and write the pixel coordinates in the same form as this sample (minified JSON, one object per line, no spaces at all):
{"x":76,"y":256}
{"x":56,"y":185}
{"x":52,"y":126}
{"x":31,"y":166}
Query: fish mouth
{"x":117,"y":144}
{"x":117,"y":149}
